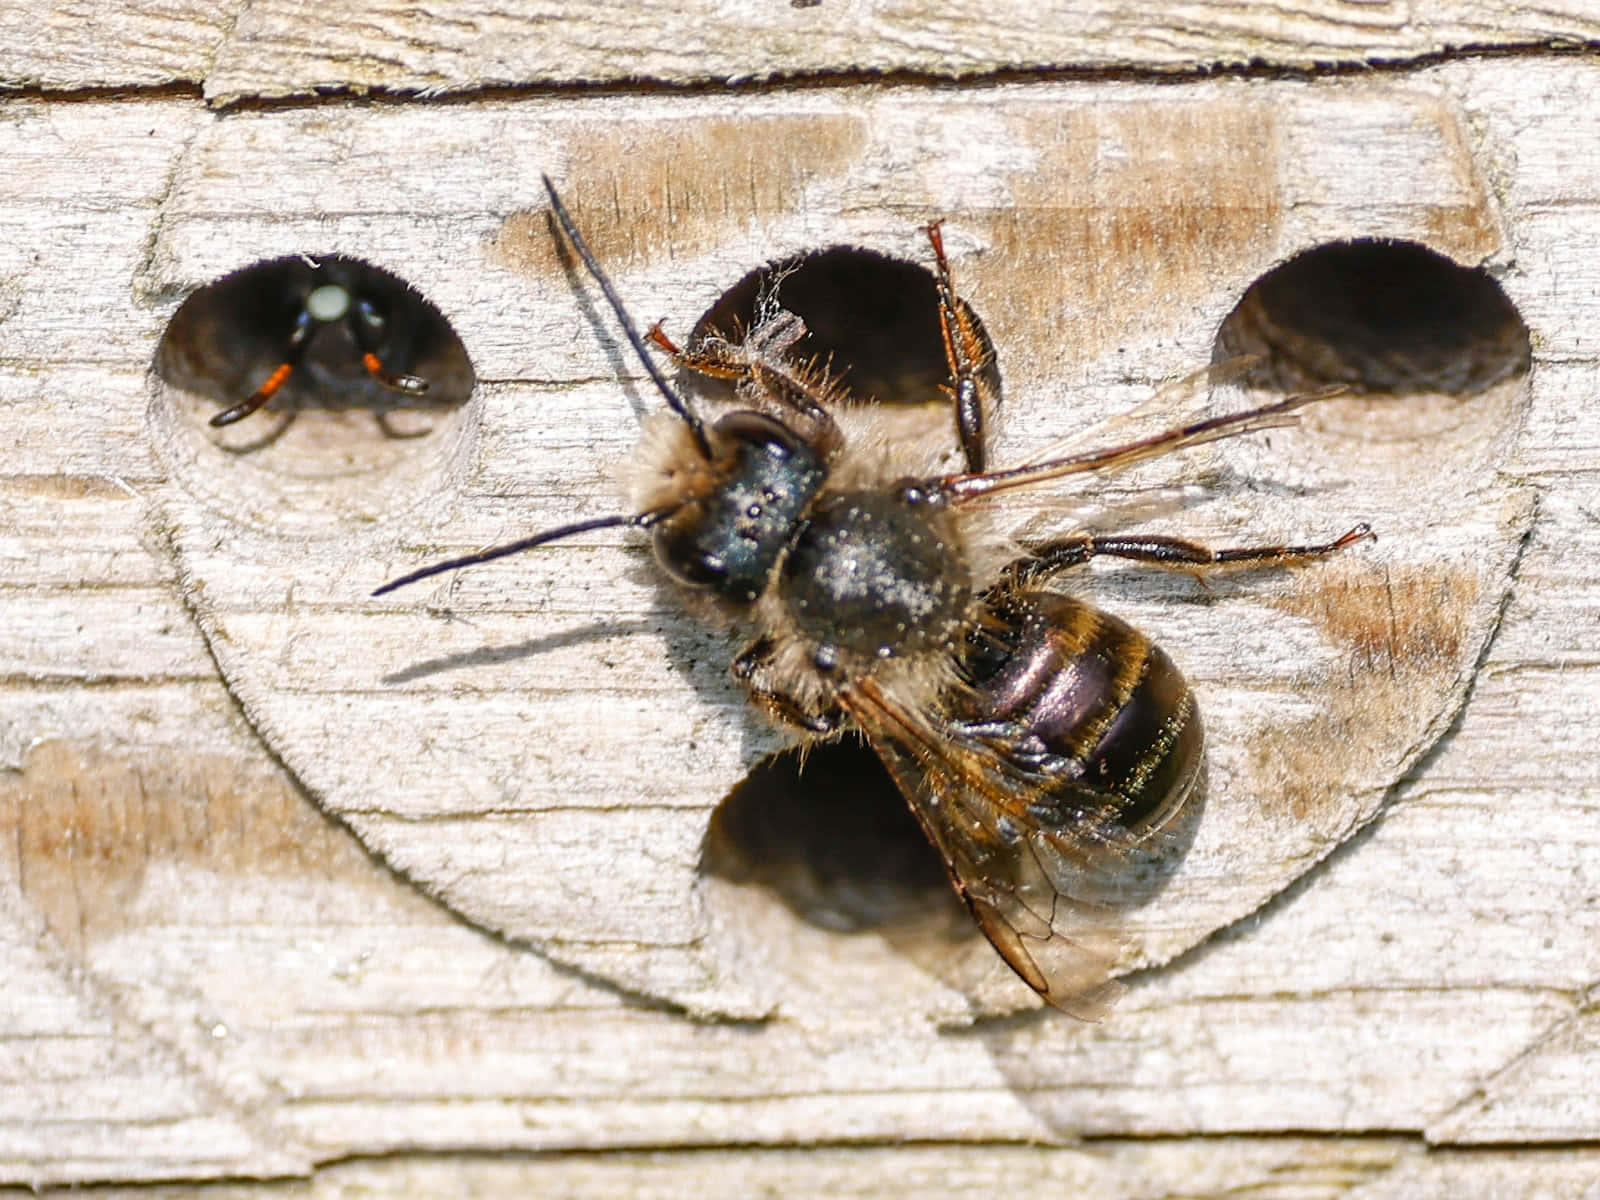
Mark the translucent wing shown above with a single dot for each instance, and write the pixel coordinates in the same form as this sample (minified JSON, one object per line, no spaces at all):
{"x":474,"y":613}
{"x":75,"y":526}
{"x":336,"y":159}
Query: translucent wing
{"x":1036,"y":892}
{"x":1171,"y":402}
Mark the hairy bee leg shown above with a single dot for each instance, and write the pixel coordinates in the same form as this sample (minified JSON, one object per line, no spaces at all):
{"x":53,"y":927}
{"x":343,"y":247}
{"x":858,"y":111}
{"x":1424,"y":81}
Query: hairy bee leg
{"x":963,"y":353}
{"x":1177,"y":553}
{"x":779,"y":704}
{"x":363,"y":325}
{"x":760,"y":363}
{"x":714,"y":366}
{"x":786,"y":710}
{"x":299,"y":339}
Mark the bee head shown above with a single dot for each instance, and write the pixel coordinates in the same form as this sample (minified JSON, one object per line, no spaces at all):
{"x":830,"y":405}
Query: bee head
{"x":763,"y":477}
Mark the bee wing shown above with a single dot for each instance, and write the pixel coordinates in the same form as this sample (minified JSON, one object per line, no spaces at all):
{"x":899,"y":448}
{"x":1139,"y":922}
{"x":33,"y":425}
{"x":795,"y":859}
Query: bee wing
{"x":1026,"y":885}
{"x":1170,"y":402}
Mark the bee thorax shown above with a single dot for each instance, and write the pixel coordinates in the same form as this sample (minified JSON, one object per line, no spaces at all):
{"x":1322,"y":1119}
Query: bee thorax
{"x":877,"y":574}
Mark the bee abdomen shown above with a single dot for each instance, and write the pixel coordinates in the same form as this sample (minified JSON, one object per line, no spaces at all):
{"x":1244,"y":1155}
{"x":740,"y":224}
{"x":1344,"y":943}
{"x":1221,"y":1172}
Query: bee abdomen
{"x":1089,"y":701}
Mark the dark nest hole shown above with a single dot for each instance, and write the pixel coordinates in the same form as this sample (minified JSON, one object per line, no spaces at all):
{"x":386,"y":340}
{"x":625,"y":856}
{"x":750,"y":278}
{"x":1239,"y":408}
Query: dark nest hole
{"x":828,"y":832}
{"x":1385,"y":317}
{"x":229,"y":337}
{"x":871,"y":321}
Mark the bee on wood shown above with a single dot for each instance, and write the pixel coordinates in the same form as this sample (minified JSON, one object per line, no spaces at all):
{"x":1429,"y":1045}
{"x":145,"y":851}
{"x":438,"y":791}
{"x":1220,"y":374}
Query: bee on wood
{"x":1045,"y":747}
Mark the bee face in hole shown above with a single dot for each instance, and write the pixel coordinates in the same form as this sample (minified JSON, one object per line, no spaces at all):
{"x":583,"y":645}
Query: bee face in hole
{"x":302,"y":334}
{"x":1383,"y":317}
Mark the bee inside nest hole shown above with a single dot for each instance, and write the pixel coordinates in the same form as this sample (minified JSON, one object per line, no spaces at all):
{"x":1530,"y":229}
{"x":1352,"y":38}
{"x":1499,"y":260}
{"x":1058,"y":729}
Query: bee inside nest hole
{"x":1385,"y":320}
{"x":329,"y":362}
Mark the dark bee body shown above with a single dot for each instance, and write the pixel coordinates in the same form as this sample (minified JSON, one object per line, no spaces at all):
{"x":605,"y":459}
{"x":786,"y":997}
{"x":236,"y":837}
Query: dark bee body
{"x":1045,"y":747}
{"x":1086,"y":701}
{"x":1055,"y":779}
{"x":300,"y":333}
{"x":875,"y":575}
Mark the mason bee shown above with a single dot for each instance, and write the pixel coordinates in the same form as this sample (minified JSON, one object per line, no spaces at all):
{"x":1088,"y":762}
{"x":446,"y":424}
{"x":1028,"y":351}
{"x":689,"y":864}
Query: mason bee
{"x":1046,"y":748}
{"x":329,"y":332}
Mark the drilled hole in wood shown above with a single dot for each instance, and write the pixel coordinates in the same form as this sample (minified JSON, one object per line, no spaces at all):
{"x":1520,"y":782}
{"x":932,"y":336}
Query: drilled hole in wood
{"x":337,"y":334}
{"x":828,"y":833}
{"x":1386,"y":317}
{"x":872,"y":321}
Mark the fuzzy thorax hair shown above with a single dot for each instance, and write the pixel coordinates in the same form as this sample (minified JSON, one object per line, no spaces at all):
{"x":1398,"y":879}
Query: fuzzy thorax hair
{"x":919,"y":671}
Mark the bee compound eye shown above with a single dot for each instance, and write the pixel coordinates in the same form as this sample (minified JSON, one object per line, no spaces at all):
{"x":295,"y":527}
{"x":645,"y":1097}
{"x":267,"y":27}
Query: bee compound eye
{"x":681,"y":548}
{"x":274,"y":407}
{"x":753,"y":428}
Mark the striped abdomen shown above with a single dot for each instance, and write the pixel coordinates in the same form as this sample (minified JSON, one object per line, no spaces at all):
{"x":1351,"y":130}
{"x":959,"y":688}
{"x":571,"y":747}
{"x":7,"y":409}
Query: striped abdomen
{"x":1089,"y":707}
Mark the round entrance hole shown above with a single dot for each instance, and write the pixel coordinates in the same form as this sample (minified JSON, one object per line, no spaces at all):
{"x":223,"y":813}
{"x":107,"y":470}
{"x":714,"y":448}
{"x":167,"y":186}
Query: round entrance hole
{"x":299,"y":336}
{"x":825,"y":836}
{"x":871,"y":321}
{"x":1386,"y":317}
{"x":828,"y":833}
{"x":305,"y":392}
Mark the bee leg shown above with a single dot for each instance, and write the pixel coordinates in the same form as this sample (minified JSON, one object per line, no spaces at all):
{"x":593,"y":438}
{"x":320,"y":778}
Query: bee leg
{"x":965,"y":353}
{"x":795,"y":383}
{"x":294,"y":351}
{"x":785,"y":710}
{"x":715,"y":360}
{"x":1057,"y":556}
{"x":761,"y":364}
{"x":1011,"y":740}
{"x":1043,"y":561}
{"x":366,"y":327}
{"x":778,"y":704}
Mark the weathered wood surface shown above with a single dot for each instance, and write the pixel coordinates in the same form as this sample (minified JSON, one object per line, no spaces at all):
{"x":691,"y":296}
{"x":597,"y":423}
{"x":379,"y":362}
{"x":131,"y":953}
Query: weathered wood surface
{"x":238,"y":51}
{"x":1296,"y":1168}
{"x":208,"y":978}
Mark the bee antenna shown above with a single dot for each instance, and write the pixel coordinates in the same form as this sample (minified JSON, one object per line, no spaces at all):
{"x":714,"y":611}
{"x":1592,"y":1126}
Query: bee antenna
{"x":674,"y":400}
{"x":635,"y":520}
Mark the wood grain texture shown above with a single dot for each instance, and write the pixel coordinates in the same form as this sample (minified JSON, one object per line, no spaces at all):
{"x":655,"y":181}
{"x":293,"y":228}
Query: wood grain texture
{"x":241,"y":51}
{"x":526,"y":836}
{"x":1293,"y":1168}
{"x":207,"y":978}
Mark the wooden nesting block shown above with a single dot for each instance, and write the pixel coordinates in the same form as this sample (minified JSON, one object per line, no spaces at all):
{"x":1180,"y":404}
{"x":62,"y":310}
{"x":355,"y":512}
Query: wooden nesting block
{"x":540,"y":747}
{"x":541,"y":744}
{"x":277,"y":49}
